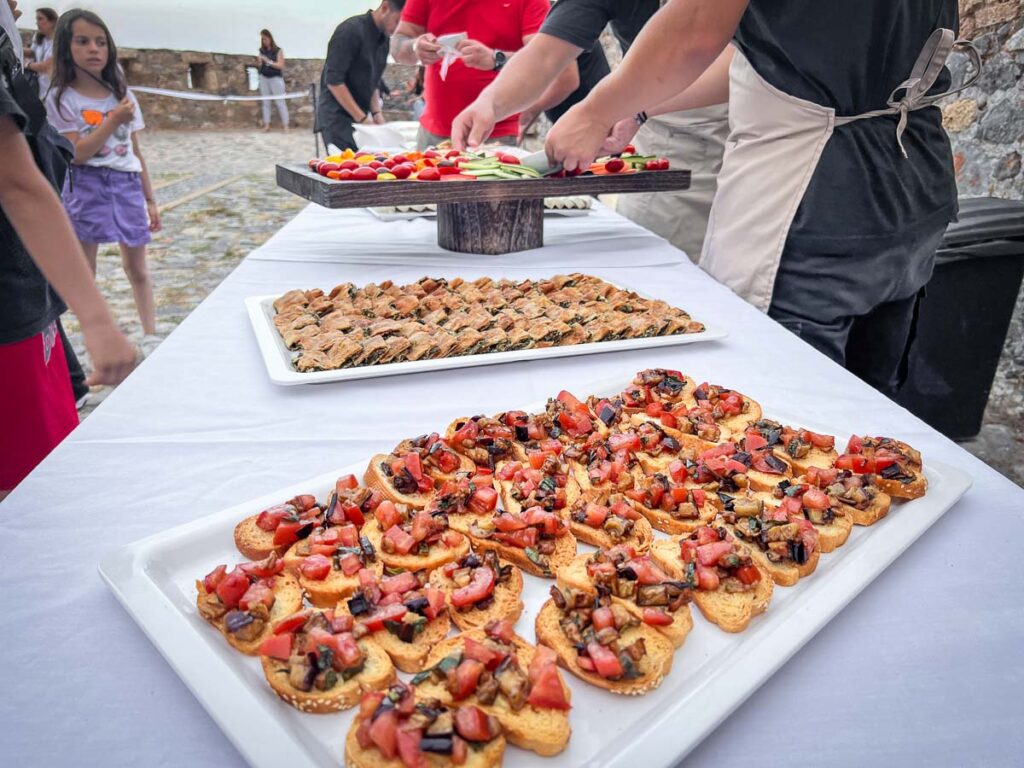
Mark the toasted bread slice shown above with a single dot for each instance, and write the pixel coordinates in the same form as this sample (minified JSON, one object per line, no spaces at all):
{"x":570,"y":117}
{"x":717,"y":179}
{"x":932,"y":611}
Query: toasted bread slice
{"x":514,"y":506}
{"x":325,"y":593}
{"x":831,"y":535}
{"x":408,"y":657}
{"x":438,"y":555}
{"x":898,"y":489}
{"x":489,"y":755}
{"x":377,"y":672}
{"x":785,"y":574}
{"x":815,"y":457}
{"x":565,"y":548}
{"x":544,"y":731}
{"x":666,"y":522}
{"x":872,"y":513}
{"x":903,"y":480}
{"x":254,"y":542}
{"x":375,"y":479}
{"x":506,"y":602}
{"x":287,"y":600}
{"x":639,"y":537}
{"x":654,"y":666}
{"x":732,"y":611}
{"x":574,"y":575}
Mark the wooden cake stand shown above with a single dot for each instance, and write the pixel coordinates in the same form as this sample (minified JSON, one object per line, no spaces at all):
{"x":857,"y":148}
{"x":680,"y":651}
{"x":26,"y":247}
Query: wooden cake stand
{"x":486,"y":217}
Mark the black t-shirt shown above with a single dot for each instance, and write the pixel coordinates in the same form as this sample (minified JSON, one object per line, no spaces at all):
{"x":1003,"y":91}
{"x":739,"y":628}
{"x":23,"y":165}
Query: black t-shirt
{"x":593,"y":66}
{"x":27,"y":302}
{"x":581,"y":22}
{"x":265,"y":69}
{"x":356,"y":57}
{"x":849,"y":55}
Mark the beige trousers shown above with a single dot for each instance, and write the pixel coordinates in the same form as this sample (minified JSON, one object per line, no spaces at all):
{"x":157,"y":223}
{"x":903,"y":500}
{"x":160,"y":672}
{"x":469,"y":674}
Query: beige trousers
{"x":693,"y":140}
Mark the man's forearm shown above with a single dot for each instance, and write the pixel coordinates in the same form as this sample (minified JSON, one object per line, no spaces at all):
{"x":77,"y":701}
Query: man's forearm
{"x":562,"y":87}
{"x":710,"y":88}
{"x":668,"y":56}
{"x":523,"y":79}
{"x":402,"y":49}
{"x":343,"y":96}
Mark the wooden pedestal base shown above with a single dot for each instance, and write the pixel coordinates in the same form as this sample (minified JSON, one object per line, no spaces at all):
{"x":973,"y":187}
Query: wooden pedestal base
{"x":495,"y":227}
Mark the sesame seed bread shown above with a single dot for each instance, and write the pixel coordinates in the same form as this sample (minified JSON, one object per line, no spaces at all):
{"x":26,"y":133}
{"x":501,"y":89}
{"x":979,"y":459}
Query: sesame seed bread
{"x":507,"y":602}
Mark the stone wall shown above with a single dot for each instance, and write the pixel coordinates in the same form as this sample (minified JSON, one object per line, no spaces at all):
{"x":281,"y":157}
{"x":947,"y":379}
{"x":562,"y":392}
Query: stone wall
{"x":986,"y":121}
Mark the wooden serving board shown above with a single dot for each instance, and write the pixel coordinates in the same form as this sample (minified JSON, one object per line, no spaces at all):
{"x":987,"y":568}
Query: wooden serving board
{"x":486,"y":217}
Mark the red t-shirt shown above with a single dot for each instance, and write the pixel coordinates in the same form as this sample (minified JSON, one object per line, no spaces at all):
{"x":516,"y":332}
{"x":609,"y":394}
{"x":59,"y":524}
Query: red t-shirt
{"x":498,"y":24}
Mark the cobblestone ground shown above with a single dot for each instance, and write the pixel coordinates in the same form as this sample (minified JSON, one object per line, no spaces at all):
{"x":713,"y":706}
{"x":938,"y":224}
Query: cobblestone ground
{"x":205,"y":237}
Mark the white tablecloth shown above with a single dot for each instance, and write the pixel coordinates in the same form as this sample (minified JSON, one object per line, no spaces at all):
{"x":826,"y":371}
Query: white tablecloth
{"x":924,"y":668}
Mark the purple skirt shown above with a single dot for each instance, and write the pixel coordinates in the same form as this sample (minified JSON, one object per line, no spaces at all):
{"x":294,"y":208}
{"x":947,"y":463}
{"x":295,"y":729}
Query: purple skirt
{"x":106,"y":206}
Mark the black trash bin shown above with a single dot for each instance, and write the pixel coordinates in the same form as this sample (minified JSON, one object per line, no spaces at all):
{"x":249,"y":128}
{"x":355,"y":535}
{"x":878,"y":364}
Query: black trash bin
{"x":965,"y":316}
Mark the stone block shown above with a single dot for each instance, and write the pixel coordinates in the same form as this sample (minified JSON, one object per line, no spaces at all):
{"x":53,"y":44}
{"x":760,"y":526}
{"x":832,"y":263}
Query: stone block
{"x":996,"y":13}
{"x":1003,"y":122}
{"x":957,"y":116}
{"x":1007,"y":167}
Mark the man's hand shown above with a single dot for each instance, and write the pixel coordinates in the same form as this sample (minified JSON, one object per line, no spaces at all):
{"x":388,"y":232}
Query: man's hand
{"x":576,"y":139}
{"x":14,"y":9}
{"x":113,"y":357}
{"x":473,"y":125}
{"x":476,"y":55}
{"x":621,"y":135}
{"x":526,"y":119}
{"x":426,"y":49}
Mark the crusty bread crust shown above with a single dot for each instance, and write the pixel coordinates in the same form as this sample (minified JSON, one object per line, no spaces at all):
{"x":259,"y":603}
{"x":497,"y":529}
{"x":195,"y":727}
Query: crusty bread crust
{"x":898,"y":490}
{"x":512,"y":506}
{"x":640,"y":537}
{"x":253,"y":542}
{"x":375,"y":480}
{"x":408,"y":657}
{"x":654,"y":666}
{"x":575,"y":576}
{"x":507,"y":603}
{"x":544,"y":731}
{"x":874,"y":512}
{"x":378,"y":672}
{"x":731,"y":611}
{"x":325,"y":593}
{"x":565,"y":548}
{"x":816,"y":457}
{"x":785,"y":574}
{"x":439,"y":553}
{"x":489,"y":756}
{"x":287,"y":600}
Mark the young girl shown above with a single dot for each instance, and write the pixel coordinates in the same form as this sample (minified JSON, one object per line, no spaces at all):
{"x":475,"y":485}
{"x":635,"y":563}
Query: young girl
{"x":108,"y":193}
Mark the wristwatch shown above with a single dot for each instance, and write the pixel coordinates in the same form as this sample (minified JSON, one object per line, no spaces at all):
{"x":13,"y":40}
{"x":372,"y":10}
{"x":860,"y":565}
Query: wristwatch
{"x":500,"y":59}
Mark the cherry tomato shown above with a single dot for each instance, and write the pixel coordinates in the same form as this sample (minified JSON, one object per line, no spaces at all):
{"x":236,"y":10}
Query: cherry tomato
{"x":402,"y":171}
{"x":614,"y":165}
{"x":629,"y":149}
{"x":364,"y":173}
{"x":428,"y":174}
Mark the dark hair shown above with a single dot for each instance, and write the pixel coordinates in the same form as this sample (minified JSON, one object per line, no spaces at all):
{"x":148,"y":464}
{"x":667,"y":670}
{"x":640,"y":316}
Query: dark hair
{"x":266,"y":32}
{"x":64,"y":69}
{"x":50,"y":14}
{"x":396,"y":5}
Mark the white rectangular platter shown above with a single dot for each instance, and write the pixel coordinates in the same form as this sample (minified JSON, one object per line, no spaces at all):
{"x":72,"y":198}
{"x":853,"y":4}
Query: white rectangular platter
{"x":712,"y":674}
{"x":278,"y":358}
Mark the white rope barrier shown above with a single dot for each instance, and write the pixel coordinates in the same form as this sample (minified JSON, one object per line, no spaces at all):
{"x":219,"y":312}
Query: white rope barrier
{"x":194,"y":96}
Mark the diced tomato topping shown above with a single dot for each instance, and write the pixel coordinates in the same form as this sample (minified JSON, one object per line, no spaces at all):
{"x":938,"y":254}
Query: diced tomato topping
{"x":677,"y":471}
{"x":724,"y":449}
{"x":304,"y":502}
{"x":214,"y":577}
{"x":571,"y":403}
{"x":350,"y":564}
{"x":474,"y":650}
{"x":460,"y":751}
{"x":412,"y":463}
{"x":709,"y":554}
{"x":393,"y":612}
{"x":707,"y":535}
{"x":654,"y":494}
{"x":606,"y":663}
{"x":700,"y":498}
{"x":602,"y":618}
{"x":409,"y":753}
{"x":468,"y":431}
{"x":654,"y":409}
{"x":546,"y":689}
{"x":622,"y":509}
{"x":551,"y":446}
{"x":277,"y":646}
{"x":451,"y":539}
{"x":748,"y":574}
{"x":403,"y":582}
{"x":855,"y":445}
{"x":790,"y":505}
{"x":341,"y":622}
{"x":435,"y":602}
{"x":347,"y":649}
{"x":464,"y":678}
{"x":471,"y":724}
{"x":483,"y":500}
{"x":754,"y":441}
{"x":647,"y":572}
{"x":401,"y":541}
{"x":628,"y":441}
{"x":825,"y":442}
{"x":707,"y":578}
{"x":384,"y":733}
{"x":596,"y":515}
{"x":232,"y":587}
{"x":348,"y":535}
{"x":346,"y":482}
{"x":481,"y":585}
{"x":270,"y":518}
{"x":585,"y":664}
{"x":293,"y":622}
{"x":815,"y":498}
{"x":259,"y":592}
{"x":822,"y":478}
{"x":315,"y":567}
{"x":369,"y":702}
{"x":509,"y":470}
{"x":506,"y":522}
{"x":422,"y":525}
{"x":669,"y":420}
{"x":500,"y":629}
{"x":287,"y":533}
{"x":575,"y":424}
{"x":387,"y":515}
{"x":527,"y":537}
{"x":656,"y":617}
{"x":550,"y":523}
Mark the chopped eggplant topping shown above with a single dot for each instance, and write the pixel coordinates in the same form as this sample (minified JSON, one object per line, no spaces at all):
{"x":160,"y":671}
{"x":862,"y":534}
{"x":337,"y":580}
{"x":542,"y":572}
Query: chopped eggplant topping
{"x":438,"y":745}
{"x":358,"y":604}
{"x":652,"y":594}
{"x":235,"y":621}
{"x":487,"y":689}
{"x":513,"y":683}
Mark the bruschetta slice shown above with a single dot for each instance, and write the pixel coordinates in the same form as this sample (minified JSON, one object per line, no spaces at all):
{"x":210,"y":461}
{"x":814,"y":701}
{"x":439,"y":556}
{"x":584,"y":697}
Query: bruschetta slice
{"x":604,"y":464}
{"x":494,"y":669}
{"x":858,"y":495}
{"x":403,"y":613}
{"x":327,"y":563}
{"x":350,"y":502}
{"x":672,"y":501}
{"x":800,"y":448}
{"x":528,"y":430}
{"x":898,"y":466}
{"x":544,"y":481}
{"x":438,"y":458}
{"x":480,"y":588}
{"x":395,"y":730}
{"x":482,"y":440}
{"x":731,"y":467}
{"x":660,"y":386}
{"x":784,"y":545}
{"x":413,"y":539}
{"x":244,"y":604}
{"x":537,"y":540}
{"x":571,"y":419}
{"x":608,"y":520}
{"x":730,"y":409}
{"x":400,"y":479}
{"x":314,"y":662}
{"x":278,"y":527}
{"x":637,"y":582}
{"x":605,"y":645}
{"x":729,"y":587}
{"x":825,"y":513}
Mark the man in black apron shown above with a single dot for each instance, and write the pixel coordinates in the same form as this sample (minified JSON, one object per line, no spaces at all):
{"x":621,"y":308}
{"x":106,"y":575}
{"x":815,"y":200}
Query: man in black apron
{"x":837,"y":181}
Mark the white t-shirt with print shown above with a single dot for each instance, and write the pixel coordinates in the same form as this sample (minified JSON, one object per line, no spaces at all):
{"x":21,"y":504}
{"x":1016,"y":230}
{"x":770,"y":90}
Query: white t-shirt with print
{"x":83,"y":115}
{"x":43,"y":51}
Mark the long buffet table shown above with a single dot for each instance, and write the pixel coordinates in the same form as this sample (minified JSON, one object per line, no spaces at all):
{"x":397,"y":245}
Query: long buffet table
{"x":924,"y":667}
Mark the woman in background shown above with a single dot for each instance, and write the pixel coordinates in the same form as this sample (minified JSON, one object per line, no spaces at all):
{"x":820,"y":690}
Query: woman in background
{"x":271,"y":63}
{"x":41,"y":49}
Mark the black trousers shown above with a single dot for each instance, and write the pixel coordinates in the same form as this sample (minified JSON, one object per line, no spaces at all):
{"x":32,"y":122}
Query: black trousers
{"x":340,"y":135}
{"x":74,"y":366}
{"x":858,"y":307}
